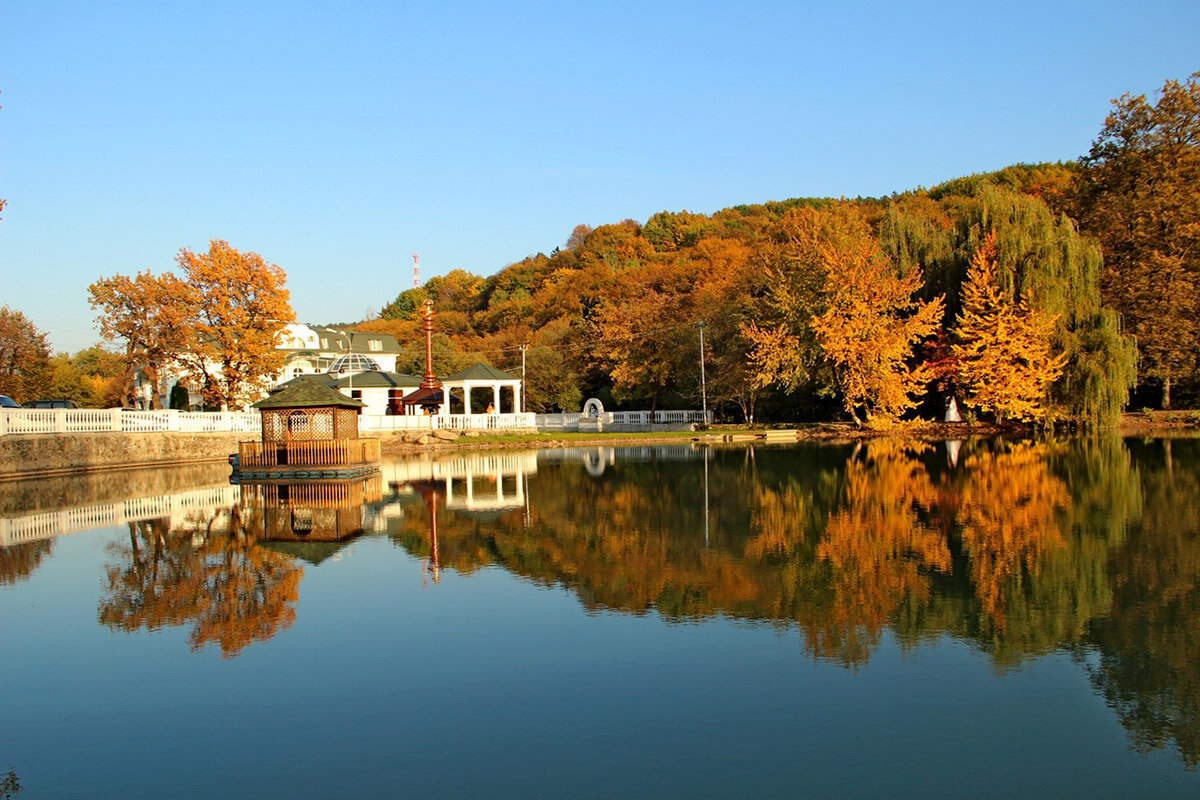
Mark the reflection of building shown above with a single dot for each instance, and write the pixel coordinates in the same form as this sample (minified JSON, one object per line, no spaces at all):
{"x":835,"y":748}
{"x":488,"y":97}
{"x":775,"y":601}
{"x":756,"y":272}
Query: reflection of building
{"x":312,"y":511}
{"x":489,"y":481}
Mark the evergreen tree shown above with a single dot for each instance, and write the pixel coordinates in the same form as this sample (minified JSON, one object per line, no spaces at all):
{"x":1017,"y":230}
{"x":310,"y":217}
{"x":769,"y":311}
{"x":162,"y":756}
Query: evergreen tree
{"x":1002,"y":353}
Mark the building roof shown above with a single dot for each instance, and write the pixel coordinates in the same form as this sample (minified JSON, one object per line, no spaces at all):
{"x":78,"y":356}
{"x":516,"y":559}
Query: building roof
{"x":378,"y":379}
{"x":308,"y":391}
{"x":359,"y":340}
{"x":353,"y":362}
{"x":481,"y":372}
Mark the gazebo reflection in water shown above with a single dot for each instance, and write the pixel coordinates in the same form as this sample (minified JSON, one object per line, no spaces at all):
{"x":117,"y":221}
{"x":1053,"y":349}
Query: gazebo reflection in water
{"x":309,"y":511}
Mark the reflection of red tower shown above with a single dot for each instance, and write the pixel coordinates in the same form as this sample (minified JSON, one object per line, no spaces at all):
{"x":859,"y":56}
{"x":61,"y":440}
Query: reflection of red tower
{"x":429,"y":380}
{"x":435,"y":561}
{"x":431,"y":491}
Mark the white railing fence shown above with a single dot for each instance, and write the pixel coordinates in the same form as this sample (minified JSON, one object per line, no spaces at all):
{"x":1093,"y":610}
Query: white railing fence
{"x":459,"y":422}
{"x":118,"y":420}
{"x":556,"y":422}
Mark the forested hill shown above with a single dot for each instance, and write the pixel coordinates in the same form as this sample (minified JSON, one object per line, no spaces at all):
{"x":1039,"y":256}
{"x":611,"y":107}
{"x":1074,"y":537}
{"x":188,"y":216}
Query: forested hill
{"x":814,"y":304}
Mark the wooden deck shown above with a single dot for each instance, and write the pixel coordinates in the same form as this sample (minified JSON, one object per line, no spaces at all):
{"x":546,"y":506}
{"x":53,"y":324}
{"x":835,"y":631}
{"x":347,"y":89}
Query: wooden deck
{"x":323,"y":453}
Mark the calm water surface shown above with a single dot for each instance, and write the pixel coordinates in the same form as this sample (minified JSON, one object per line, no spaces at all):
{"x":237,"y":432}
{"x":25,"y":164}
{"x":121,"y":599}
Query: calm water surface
{"x":977,"y":619}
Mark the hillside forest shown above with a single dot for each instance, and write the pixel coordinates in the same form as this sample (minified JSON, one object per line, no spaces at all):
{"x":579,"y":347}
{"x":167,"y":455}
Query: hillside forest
{"x":1043,"y":292}
{"x":1056,"y":293}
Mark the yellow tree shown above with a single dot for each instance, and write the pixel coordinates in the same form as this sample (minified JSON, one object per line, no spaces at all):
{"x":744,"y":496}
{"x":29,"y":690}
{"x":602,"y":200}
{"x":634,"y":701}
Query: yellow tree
{"x":1001,"y":355}
{"x":870,"y":327}
{"x":237,"y":307}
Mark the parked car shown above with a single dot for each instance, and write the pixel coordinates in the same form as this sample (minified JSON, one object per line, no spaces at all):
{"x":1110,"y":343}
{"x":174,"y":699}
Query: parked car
{"x":51,"y":404}
{"x":8,"y":402}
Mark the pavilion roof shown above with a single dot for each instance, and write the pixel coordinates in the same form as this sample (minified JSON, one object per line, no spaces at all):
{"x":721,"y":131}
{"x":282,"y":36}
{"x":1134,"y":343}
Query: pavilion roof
{"x":481,"y":372}
{"x":378,"y":379}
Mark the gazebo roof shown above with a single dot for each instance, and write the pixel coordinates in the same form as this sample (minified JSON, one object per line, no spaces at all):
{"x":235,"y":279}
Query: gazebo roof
{"x":377,"y":379}
{"x":308,"y":393}
{"x":481,"y":372}
{"x":424,"y":396}
{"x":328,"y":380}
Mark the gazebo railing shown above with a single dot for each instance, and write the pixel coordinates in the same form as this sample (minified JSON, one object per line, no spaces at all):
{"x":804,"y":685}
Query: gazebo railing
{"x":320,"y":453}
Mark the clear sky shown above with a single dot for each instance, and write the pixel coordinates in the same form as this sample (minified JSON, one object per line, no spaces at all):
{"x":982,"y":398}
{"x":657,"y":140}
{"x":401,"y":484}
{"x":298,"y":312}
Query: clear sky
{"x":336,"y":139}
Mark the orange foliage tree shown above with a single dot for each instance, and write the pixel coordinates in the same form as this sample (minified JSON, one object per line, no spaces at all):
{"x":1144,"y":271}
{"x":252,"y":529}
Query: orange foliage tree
{"x":870,"y":329}
{"x":145,"y":311}
{"x":1001,"y":355}
{"x":237,"y":308}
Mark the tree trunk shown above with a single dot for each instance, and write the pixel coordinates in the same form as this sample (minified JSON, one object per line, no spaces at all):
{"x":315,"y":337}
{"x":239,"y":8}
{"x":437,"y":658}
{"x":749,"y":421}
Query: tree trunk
{"x":1166,"y":401}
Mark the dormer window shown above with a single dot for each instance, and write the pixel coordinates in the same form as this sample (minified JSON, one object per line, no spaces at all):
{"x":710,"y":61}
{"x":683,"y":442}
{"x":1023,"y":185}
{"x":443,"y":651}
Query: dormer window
{"x":375,"y":344}
{"x":324,"y":344}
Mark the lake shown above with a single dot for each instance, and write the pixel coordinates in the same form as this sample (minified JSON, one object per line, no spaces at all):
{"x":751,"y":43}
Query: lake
{"x":954,"y":619}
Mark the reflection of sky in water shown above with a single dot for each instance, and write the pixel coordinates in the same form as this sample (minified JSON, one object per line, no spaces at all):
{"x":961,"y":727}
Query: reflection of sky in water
{"x":497,"y":682}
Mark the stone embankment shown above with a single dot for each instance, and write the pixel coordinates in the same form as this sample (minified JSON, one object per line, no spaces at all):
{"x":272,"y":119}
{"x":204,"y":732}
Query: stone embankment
{"x":43,"y":455}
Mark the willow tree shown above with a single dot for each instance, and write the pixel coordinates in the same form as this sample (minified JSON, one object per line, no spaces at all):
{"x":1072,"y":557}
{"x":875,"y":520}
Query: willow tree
{"x":1040,"y":256}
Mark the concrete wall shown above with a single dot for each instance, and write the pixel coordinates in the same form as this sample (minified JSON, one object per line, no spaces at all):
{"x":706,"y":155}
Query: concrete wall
{"x":71,"y":453}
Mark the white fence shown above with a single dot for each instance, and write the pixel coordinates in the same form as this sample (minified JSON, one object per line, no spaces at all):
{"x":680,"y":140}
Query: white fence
{"x":117,"y":420}
{"x":27,"y":528}
{"x":659,"y":417}
{"x":570,"y":422}
{"x":458,"y":422}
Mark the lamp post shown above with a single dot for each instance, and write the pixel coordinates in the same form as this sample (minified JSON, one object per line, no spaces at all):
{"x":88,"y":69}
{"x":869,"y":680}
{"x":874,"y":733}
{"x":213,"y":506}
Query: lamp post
{"x":349,"y":362}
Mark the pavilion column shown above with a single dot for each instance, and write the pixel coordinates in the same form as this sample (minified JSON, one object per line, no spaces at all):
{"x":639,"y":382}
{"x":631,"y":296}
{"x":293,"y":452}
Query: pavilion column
{"x":518,"y":406}
{"x":467,"y":398}
{"x":496,"y":397}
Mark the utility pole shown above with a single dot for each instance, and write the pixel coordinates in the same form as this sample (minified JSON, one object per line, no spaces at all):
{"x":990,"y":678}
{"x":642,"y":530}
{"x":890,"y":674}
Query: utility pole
{"x":703,"y":384}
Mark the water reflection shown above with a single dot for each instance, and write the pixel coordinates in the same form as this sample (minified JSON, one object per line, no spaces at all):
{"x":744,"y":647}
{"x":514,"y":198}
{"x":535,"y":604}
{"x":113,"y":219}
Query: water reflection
{"x":1019,"y":548}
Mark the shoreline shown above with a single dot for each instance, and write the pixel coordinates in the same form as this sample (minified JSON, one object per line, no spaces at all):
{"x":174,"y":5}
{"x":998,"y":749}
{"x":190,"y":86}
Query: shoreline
{"x":1156,"y":423}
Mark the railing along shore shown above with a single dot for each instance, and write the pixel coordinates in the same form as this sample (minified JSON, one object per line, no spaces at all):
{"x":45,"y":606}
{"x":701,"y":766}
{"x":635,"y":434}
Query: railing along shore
{"x":322,"y":453}
{"x":118,"y":420}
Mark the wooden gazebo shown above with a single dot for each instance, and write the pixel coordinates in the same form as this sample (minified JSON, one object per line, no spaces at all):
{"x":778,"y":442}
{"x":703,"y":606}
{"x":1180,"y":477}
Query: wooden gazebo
{"x":309,"y":429}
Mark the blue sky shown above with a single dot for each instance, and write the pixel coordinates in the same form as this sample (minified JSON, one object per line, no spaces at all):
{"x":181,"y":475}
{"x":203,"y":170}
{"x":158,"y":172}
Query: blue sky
{"x":336,"y":139}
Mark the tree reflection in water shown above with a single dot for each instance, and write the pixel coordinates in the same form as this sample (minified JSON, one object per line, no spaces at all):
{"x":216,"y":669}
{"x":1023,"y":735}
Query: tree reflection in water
{"x":1020,"y":548}
{"x":230,"y":590}
{"x":18,"y":561}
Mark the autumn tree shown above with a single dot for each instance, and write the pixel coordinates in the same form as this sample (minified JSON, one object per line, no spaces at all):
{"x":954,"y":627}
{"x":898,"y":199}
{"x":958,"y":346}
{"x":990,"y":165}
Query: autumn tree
{"x":1041,"y":256}
{"x":785,"y":347}
{"x":151,"y":314}
{"x":839,"y":300}
{"x":24,"y":357}
{"x":1140,"y":195}
{"x":870,"y":328}
{"x":1002,"y":351}
{"x":236,"y":307}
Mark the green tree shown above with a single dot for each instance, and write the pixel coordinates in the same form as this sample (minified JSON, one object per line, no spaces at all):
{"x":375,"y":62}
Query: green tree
{"x":1040,"y":256}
